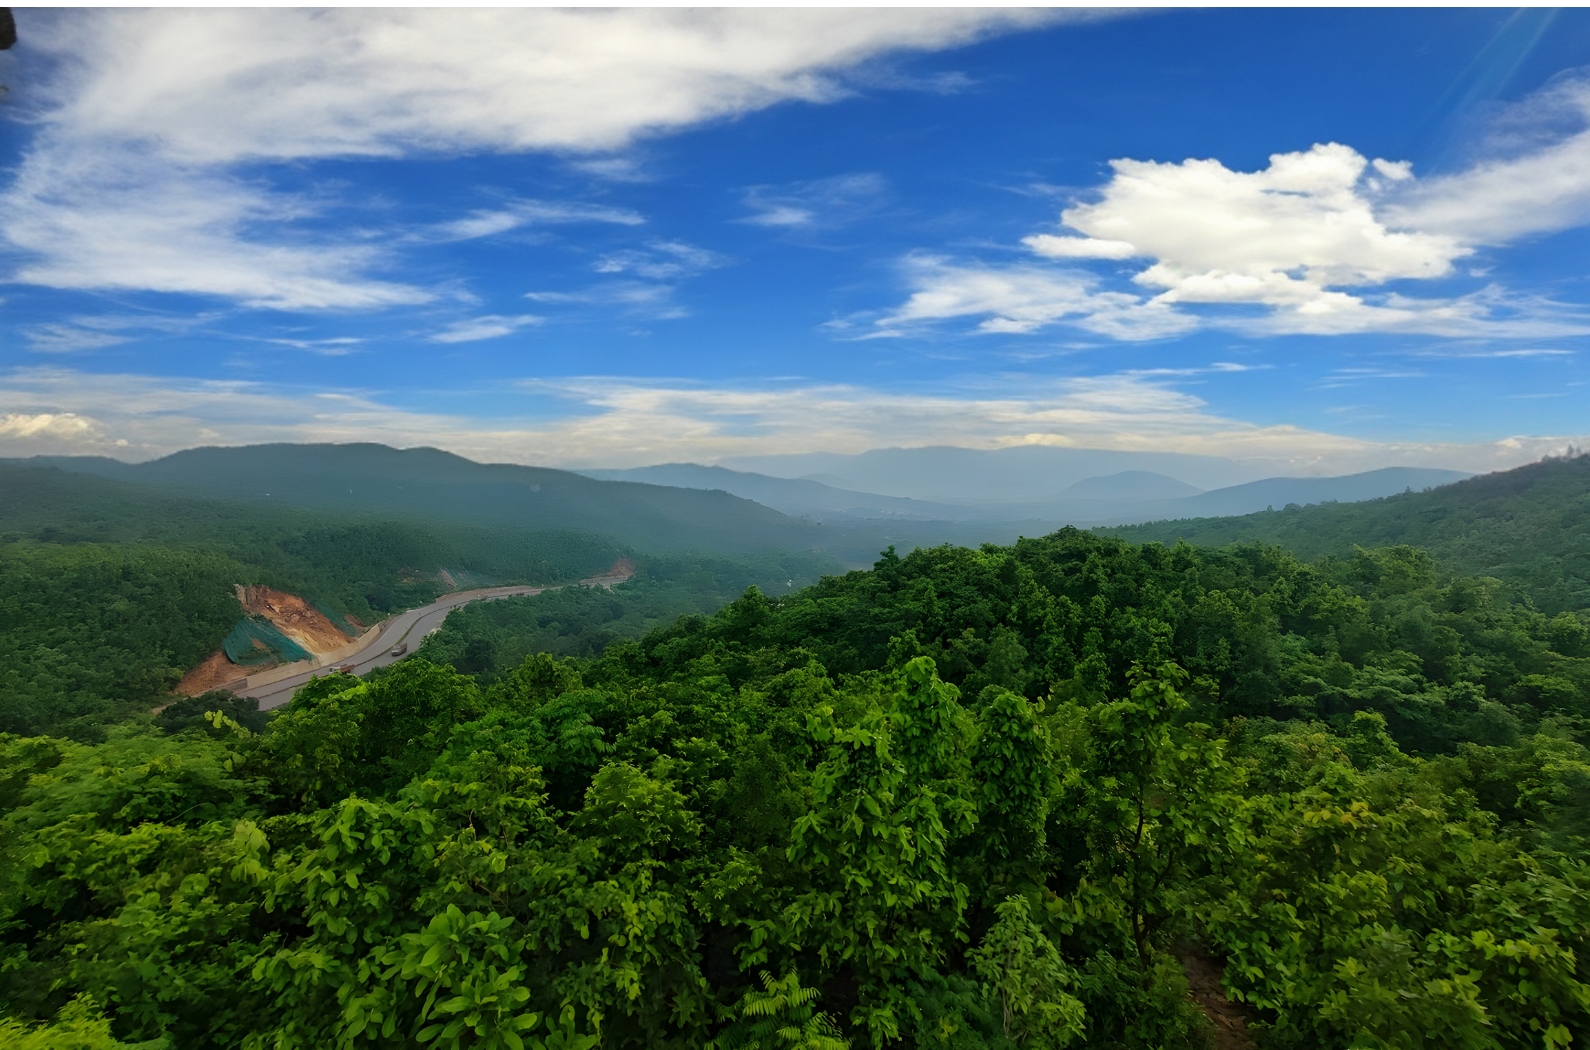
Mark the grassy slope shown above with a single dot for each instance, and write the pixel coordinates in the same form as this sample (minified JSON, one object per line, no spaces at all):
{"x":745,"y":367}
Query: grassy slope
{"x":1529,"y":526}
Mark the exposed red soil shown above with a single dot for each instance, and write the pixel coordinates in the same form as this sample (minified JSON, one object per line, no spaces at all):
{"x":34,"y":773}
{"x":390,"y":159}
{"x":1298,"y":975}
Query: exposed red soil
{"x":213,"y":673}
{"x":618,"y":572}
{"x":294,"y":617}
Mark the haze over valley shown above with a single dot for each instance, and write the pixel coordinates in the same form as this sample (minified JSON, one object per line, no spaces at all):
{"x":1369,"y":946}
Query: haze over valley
{"x":1022,"y":484}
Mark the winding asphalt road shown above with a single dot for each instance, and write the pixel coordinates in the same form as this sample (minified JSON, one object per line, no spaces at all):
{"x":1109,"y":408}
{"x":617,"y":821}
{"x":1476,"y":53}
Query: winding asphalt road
{"x":411,"y":627}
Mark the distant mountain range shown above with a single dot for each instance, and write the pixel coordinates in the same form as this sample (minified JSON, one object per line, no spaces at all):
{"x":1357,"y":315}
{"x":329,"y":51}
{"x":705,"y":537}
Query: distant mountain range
{"x":1125,"y":497}
{"x":375,"y":480}
{"x":685,"y":506}
{"x":1029,"y":474}
{"x":802,"y":497}
{"x":1134,"y":485}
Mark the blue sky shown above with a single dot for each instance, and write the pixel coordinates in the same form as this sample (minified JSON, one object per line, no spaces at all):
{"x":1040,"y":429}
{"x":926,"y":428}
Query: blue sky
{"x":1316,"y":241}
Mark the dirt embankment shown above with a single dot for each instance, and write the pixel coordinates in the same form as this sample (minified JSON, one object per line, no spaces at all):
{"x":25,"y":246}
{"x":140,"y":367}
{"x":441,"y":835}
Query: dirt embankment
{"x":618,"y":572}
{"x":215,"y":672}
{"x":293,"y":616}
{"x":310,"y":628}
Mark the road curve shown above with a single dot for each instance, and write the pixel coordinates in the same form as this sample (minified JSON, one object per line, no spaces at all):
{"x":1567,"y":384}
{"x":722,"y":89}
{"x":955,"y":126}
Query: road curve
{"x":410,"y":626}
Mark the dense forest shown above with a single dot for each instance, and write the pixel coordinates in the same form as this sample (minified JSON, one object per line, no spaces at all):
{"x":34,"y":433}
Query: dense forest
{"x":491,"y":638}
{"x":1071,"y":792}
{"x":1529,"y":526}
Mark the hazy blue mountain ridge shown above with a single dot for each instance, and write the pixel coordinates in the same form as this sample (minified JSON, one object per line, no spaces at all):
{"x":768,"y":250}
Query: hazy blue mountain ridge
{"x":1024,"y":474}
{"x":797,"y":496}
{"x":1131,"y":485}
{"x":1127,"y":497}
{"x":1348,"y":488}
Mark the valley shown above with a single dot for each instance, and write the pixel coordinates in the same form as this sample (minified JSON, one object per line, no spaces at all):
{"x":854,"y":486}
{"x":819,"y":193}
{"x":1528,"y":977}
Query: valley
{"x":794,"y":528}
{"x":1137,"y":728}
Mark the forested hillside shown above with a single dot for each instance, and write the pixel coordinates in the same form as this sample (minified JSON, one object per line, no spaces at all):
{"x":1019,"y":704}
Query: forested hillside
{"x":94,"y":634}
{"x":994,"y":798}
{"x":432,"y":486}
{"x":492,"y":638}
{"x":1261,"y":633}
{"x":110,"y":591}
{"x":360,"y":557}
{"x":1529,"y":526}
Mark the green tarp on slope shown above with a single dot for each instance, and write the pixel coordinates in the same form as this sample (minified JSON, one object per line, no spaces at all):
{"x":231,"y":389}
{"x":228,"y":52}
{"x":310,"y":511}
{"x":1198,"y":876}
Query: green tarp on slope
{"x":240,"y":648}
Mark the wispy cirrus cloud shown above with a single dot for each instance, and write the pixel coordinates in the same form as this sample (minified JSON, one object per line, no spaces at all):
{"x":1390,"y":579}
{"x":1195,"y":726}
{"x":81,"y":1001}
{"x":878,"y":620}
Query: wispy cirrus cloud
{"x":1345,"y":377}
{"x":85,"y":332}
{"x":661,"y":261}
{"x":488,"y":222}
{"x":1495,"y":353}
{"x":1538,"y":183}
{"x":335,"y":346}
{"x":639,"y":282}
{"x":648,"y":300}
{"x":58,"y":338}
{"x":491,"y":326}
{"x":156,"y":131}
{"x":119,"y":217}
{"x":817,"y":203}
{"x":1017,"y":299}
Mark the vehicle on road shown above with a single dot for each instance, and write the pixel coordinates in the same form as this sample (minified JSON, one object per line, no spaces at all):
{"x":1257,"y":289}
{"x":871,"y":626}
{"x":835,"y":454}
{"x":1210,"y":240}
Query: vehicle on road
{"x":399,"y":649}
{"x":347,"y":668}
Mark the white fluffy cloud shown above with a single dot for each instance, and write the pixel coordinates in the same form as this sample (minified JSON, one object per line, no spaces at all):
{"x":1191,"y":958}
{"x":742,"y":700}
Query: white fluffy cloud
{"x":610,"y":422}
{"x":144,"y":172}
{"x":56,"y":427}
{"x":1314,"y":239}
{"x":1284,"y":236}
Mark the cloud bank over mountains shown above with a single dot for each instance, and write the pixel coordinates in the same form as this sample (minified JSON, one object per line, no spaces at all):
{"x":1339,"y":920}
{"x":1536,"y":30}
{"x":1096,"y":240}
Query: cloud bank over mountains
{"x":620,"y":422}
